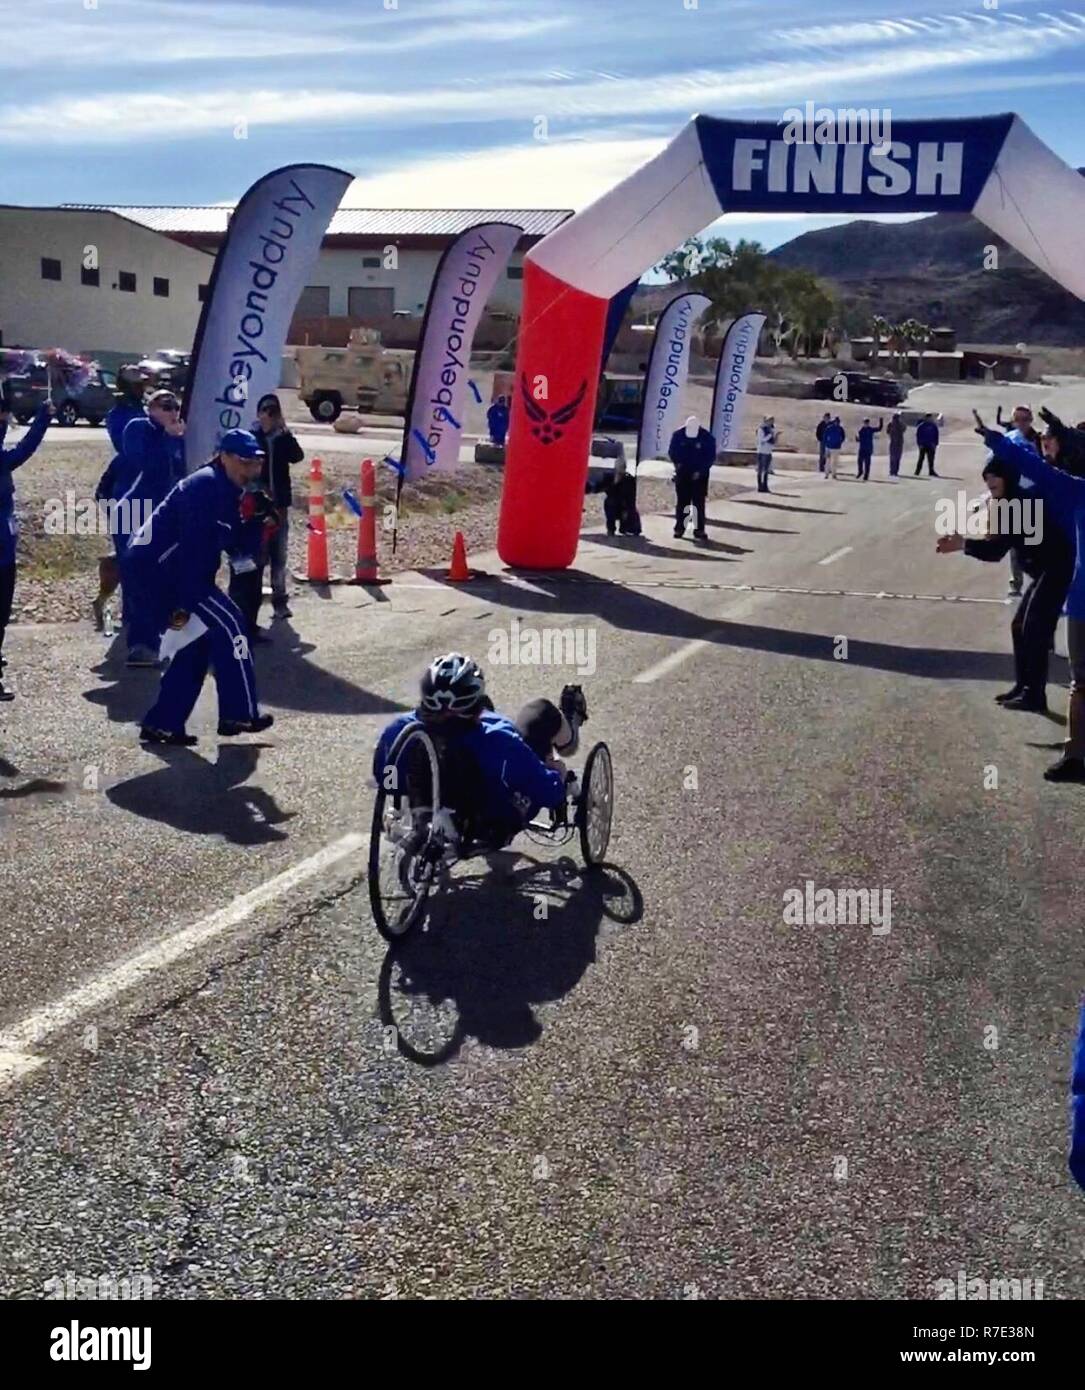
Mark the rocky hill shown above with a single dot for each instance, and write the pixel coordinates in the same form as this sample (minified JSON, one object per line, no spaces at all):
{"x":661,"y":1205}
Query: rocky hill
{"x":932,"y":269}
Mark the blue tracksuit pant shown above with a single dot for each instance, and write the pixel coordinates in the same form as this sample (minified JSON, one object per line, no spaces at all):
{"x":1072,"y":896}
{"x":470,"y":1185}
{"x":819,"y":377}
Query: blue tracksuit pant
{"x":225,"y":646}
{"x":140,"y":616}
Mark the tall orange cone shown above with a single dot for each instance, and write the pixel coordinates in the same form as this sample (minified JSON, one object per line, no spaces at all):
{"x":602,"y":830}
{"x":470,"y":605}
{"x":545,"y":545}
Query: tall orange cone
{"x":318,"y":533}
{"x":457,"y":570}
{"x":365,"y":568}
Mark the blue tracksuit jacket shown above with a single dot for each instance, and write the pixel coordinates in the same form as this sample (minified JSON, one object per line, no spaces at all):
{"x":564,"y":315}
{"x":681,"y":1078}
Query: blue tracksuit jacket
{"x":926,"y":434}
{"x":175,"y":555}
{"x":517,"y":782}
{"x":1064,"y":503}
{"x":151,"y":463}
{"x":118,"y":418}
{"x":833,"y":438}
{"x":10,"y":459}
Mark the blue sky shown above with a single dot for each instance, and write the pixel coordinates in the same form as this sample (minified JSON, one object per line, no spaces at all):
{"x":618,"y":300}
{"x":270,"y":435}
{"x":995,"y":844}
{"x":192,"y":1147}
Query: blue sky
{"x":435,"y":103}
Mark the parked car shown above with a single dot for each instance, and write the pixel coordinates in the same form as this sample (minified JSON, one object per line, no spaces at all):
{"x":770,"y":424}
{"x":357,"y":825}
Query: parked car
{"x":166,"y":368}
{"x":863,"y":389}
{"x":26,"y":392}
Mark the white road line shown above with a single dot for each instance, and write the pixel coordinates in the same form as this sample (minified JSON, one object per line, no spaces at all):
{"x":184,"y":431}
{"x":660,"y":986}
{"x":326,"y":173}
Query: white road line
{"x":662,"y":668}
{"x":844,"y":550}
{"x":30,"y":1032}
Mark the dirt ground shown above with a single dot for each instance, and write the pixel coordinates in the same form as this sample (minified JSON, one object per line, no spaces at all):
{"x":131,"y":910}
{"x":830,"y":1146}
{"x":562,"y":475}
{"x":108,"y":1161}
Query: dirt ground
{"x":58,"y":573}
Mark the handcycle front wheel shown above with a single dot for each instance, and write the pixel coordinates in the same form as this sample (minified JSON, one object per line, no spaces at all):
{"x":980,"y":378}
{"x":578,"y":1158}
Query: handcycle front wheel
{"x":595,"y":808}
{"x":404,"y":854}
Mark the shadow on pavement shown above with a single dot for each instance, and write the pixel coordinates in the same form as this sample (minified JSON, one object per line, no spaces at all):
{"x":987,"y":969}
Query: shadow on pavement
{"x":694,"y":550}
{"x":741,"y":526}
{"x":33,"y":786}
{"x":487,"y":955}
{"x":204,"y":798}
{"x":775,"y":506}
{"x":285,"y":680}
{"x":574,"y":591}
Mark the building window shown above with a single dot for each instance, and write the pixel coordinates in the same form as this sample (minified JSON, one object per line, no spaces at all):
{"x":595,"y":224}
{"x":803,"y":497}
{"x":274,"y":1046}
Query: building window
{"x":371,"y":263}
{"x":50,"y":268}
{"x":126,"y":280}
{"x":516,"y":272}
{"x":90,"y":276}
{"x":161,"y":287}
{"x":201,"y":293}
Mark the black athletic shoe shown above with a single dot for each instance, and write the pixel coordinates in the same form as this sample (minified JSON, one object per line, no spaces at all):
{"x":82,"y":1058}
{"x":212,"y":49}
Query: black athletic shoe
{"x":1028,"y":703}
{"x":6,"y":695}
{"x":230,"y":728}
{"x":1067,"y":769}
{"x":572,"y":703}
{"x":165,"y":736}
{"x":678,"y":534}
{"x":1011,"y":694}
{"x":703,"y":535}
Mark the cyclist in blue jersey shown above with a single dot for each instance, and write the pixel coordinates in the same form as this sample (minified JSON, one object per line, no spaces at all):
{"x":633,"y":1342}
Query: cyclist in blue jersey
{"x":497,"y":773}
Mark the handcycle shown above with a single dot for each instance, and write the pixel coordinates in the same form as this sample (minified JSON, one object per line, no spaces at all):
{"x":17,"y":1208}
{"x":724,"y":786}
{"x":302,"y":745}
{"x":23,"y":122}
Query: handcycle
{"x":416,"y":837}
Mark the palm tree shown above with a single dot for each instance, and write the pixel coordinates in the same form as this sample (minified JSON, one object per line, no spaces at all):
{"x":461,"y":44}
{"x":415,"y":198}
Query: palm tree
{"x":881,"y":330}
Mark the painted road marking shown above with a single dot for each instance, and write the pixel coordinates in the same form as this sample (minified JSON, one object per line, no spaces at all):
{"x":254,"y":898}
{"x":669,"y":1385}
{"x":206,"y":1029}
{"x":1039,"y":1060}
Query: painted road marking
{"x":844,"y":550}
{"x":676,"y":658}
{"x":16,"y":1058}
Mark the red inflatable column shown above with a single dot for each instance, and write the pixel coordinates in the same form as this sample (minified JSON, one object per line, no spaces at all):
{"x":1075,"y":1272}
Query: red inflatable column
{"x":553,"y":406}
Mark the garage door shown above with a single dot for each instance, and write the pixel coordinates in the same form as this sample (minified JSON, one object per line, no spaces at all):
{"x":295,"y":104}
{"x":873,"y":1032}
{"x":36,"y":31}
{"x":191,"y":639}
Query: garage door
{"x":370,"y":302}
{"x":314,"y":302}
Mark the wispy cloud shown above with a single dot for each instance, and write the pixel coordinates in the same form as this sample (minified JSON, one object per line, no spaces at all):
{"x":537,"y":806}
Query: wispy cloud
{"x":127,"y":116}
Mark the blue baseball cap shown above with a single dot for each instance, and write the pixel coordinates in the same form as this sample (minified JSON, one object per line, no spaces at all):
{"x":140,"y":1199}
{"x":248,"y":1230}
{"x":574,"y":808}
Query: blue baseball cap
{"x":243,"y":443}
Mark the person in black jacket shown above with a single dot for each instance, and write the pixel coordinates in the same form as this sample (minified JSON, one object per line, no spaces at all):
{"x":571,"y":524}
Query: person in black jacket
{"x":693,"y":452}
{"x":1049,"y":565}
{"x":619,"y":490}
{"x":282,"y":451}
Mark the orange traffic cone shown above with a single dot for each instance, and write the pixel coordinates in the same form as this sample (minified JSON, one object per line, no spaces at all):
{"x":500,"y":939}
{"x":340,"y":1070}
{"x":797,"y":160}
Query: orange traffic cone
{"x":318,"y":535}
{"x":457,"y":570}
{"x":365,"y":569}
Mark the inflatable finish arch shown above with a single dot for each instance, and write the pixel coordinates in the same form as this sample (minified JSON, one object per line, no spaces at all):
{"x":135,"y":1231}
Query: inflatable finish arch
{"x":991,"y":166}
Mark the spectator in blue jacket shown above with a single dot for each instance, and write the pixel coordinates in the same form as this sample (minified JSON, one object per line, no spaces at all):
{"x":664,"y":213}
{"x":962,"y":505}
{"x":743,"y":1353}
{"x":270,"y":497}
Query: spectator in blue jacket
{"x":129,"y":407}
{"x":152,"y":463}
{"x":1063,"y":497}
{"x":926,"y":437}
{"x":693,"y":452}
{"x":866,"y":447}
{"x":175,"y":558}
{"x":10,"y":459}
{"x":497,"y":421}
{"x":129,"y":404}
{"x":833,"y":439}
{"x":819,"y":435}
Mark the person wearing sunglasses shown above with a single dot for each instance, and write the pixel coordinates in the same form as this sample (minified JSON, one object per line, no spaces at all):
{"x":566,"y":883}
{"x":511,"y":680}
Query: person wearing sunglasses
{"x":152,"y":464}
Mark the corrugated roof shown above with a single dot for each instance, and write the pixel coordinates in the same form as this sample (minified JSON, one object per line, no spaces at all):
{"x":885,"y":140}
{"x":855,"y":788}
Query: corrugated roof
{"x":212,"y":221}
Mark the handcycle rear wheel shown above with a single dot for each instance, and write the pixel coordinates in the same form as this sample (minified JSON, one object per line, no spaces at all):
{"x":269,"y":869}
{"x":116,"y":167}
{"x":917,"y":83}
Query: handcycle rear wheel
{"x":595,"y":808}
{"x":404,"y":854}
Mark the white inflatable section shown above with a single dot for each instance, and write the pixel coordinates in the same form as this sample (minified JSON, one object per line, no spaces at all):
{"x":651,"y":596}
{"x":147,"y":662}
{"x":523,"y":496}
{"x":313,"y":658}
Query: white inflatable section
{"x":1036,"y":202}
{"x":611,"y":241}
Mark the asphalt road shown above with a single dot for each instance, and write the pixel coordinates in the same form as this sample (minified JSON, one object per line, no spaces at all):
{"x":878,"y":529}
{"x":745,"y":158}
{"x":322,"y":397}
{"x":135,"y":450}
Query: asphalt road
{"x":646,"y":1083}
